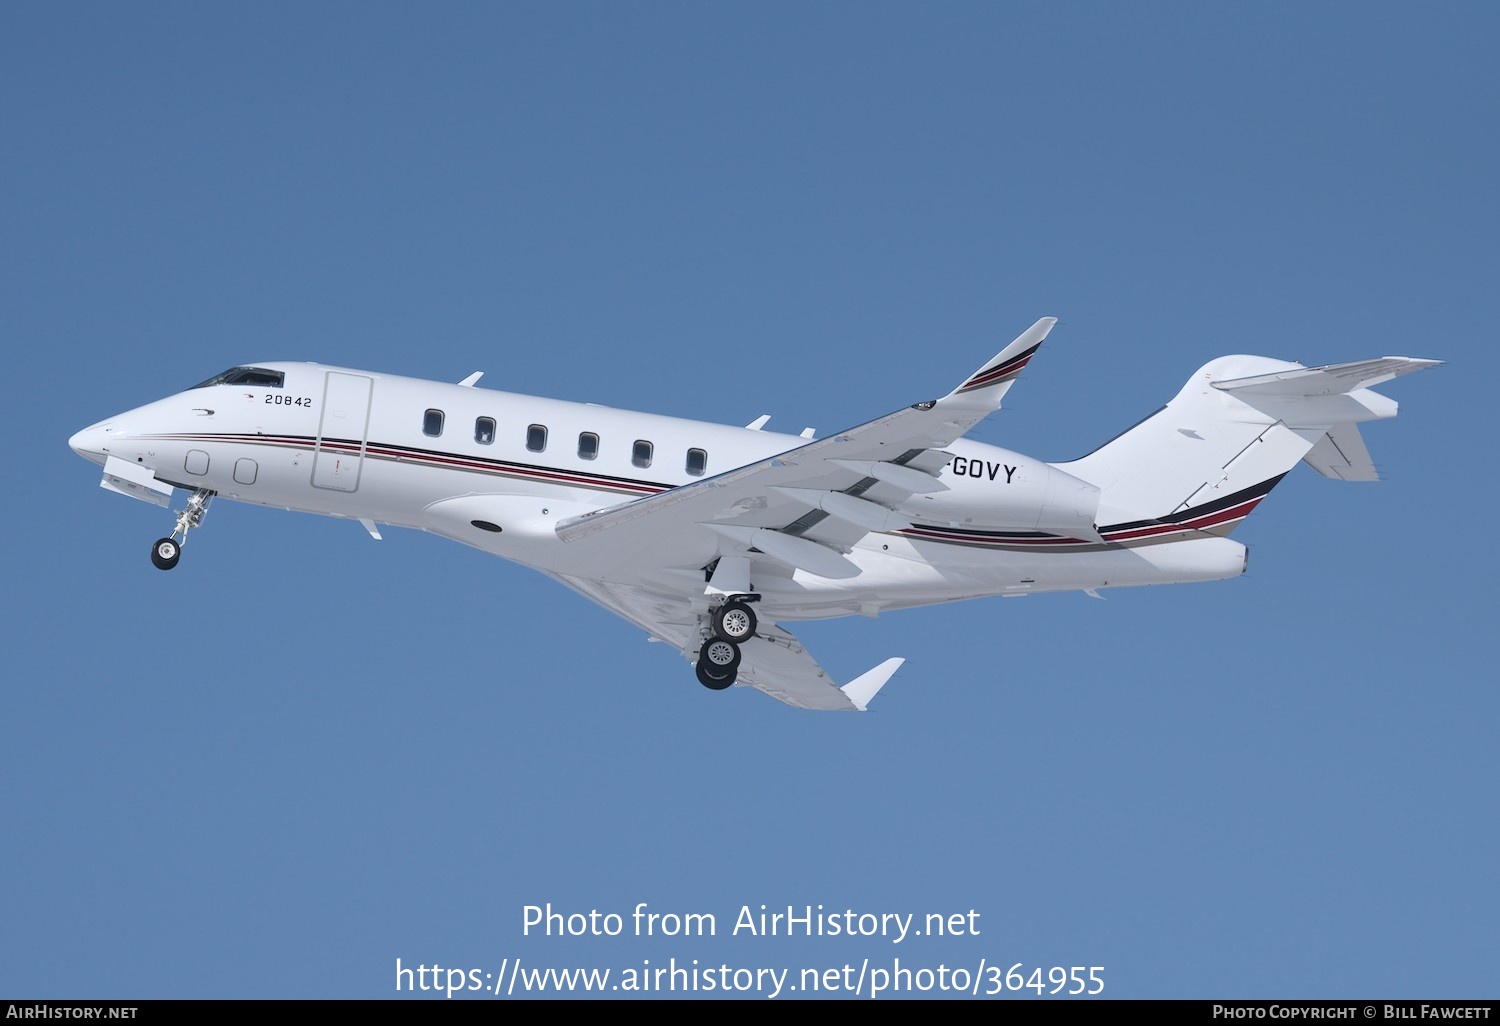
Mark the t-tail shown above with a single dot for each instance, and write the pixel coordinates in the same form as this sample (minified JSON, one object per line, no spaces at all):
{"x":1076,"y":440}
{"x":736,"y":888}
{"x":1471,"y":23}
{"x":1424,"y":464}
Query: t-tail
{"x":1206,"y":459}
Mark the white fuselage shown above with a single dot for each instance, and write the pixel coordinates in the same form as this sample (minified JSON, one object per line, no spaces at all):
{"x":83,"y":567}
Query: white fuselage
{"x":445,"y":457}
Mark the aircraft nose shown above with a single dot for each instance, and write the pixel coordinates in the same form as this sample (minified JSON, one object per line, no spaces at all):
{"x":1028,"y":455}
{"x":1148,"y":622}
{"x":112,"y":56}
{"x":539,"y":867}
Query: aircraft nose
{"x":89,"y":443}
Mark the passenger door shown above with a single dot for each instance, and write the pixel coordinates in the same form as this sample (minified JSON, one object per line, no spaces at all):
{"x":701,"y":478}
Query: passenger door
{"x":343,"y":430}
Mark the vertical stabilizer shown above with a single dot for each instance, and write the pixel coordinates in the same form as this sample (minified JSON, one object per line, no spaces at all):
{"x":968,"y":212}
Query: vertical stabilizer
{"x":1203,"y":461}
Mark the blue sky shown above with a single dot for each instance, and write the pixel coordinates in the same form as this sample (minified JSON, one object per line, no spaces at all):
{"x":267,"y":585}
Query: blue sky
{"x":303,"y":755}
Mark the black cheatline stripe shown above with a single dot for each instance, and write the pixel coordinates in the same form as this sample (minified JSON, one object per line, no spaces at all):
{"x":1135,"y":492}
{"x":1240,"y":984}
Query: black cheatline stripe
{"x":509,"y":464}
{"x":974,"y":536}
{"x":381,"y":450}
{"x":521,"y":470}
{"x":985,"y":535}
{"x":1176,"y":523}
{"x":997,"y":540}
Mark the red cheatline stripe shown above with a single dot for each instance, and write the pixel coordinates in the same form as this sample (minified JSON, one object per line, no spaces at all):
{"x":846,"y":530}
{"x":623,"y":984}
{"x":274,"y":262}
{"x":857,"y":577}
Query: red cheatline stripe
{"x":509,"y":470}
{"x":1223,"y":516}
{"x":1050,"y":541}
{"x":388,"y":453}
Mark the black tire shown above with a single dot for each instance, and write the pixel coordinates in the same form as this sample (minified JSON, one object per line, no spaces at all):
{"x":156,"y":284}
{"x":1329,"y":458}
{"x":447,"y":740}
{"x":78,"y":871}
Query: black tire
{"x":718,"y":664}
{"x":735,"y":622}
{"x":709,"y":678}
{"x":165,"y":553}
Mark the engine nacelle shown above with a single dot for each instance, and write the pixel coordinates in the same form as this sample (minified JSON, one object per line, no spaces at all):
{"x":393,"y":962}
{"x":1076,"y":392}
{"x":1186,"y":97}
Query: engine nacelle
{"x":996,"y":488}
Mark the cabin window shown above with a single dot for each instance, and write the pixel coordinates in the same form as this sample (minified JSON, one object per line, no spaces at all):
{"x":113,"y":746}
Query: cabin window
{"x":536,"y":438}
{"x":697,"y":462}
{"x":640,"y":454}
{"x":588,"y":446}
{"x":484,"y":430}
{"x":432,"y":423}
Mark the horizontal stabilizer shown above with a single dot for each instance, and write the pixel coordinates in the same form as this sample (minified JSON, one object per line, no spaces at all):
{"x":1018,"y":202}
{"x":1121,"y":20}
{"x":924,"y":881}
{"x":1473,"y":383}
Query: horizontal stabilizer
{"x":1341,"y":454}
{"x":1334,"y":379}
{"x":863,"y":689}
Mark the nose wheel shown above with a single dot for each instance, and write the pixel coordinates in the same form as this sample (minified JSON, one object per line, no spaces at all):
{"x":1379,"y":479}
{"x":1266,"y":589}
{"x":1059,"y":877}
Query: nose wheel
{"x":165,"y":552}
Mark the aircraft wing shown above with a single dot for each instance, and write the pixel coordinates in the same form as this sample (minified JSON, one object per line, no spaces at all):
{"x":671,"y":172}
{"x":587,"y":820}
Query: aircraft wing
{"x":773,"y":662}
{"x":829,"y":493}
{"x":656,"y":560}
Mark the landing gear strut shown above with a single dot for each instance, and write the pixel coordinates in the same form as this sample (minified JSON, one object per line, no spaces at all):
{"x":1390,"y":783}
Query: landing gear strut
{"x":165,"y":552}
{"x":728,"y":627}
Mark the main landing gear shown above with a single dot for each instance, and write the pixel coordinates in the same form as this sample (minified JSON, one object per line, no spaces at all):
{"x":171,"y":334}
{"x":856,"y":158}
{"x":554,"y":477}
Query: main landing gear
{"x":165,"y":552}
{"x":729,"y":626}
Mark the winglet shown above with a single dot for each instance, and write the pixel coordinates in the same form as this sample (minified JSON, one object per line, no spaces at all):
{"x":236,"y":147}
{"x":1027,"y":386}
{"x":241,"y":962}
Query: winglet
{"x":987,"y":385}
{"x":862,"y":689}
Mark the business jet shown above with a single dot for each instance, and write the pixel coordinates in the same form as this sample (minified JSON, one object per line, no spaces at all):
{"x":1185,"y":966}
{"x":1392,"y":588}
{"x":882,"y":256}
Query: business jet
{"x":711,"y":537}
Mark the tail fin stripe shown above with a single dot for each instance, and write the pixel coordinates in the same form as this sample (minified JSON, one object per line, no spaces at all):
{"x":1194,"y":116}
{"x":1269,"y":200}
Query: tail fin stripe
{"x":1203,"y":523}
{"x":1259,"y":490}
{"x":1255,"y":491}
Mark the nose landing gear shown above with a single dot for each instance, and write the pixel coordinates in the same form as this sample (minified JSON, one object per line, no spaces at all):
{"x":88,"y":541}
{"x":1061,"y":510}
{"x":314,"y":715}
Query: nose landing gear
{"x":165,"y":552}
{"x":727,"y":628}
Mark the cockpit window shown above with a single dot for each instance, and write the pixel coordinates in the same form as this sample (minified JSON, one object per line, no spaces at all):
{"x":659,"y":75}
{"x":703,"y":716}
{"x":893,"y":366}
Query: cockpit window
{"x":257,"y":376}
